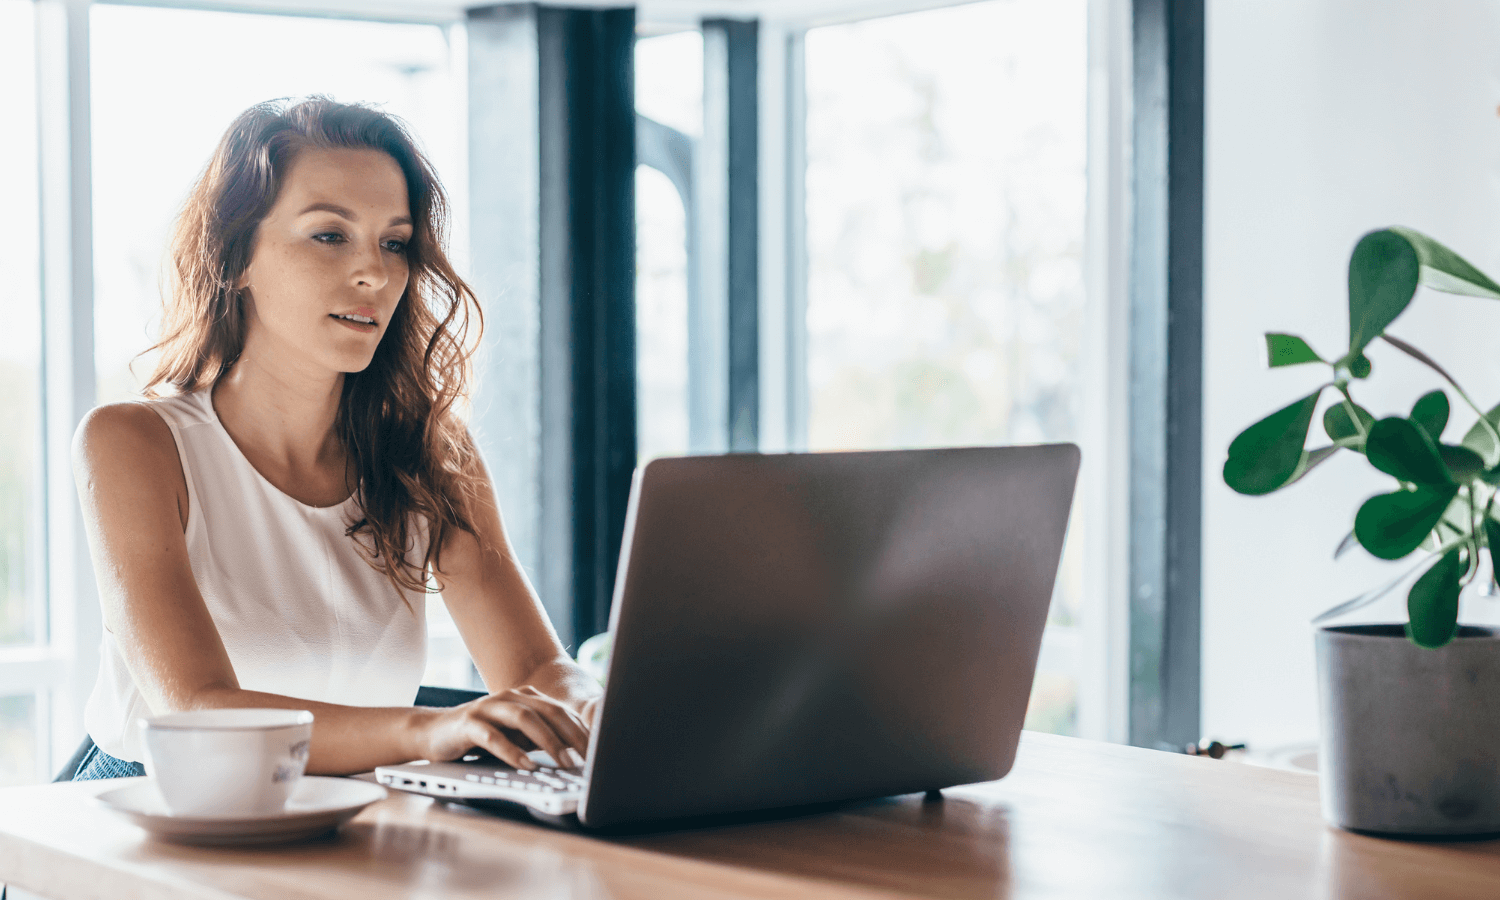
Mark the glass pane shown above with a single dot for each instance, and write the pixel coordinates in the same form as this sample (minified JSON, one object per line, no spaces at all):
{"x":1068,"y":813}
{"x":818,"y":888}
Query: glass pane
{"x":22,"y":545}
{"x":412,"y":71}
{"x":945,"y":215}
{"x":448,"y":663}
{"x":669,"y":89}
{"x":20,"y":762}
{"x":669,"y":80}
{"x":661,"y":316}
{"x":1054,"y":703}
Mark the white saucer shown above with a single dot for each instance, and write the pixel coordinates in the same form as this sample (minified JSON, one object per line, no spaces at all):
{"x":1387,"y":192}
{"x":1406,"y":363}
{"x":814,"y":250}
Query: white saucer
{"x":317,"y":805}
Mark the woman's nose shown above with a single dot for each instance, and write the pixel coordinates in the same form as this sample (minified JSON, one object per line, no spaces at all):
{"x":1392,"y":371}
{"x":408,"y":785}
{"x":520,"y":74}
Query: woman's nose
{"x":370,"y":268}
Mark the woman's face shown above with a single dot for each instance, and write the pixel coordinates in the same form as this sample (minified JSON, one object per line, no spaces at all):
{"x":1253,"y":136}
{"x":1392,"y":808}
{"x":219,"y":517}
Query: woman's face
{"x":329,"y":262}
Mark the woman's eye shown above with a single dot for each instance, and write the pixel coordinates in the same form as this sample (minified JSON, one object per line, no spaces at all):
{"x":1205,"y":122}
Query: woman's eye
{"x":328,"y":237}
{"x":396,"y":246}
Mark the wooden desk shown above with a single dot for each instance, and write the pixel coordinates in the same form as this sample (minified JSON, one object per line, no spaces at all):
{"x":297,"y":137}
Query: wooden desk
{"x":1075,"y":819}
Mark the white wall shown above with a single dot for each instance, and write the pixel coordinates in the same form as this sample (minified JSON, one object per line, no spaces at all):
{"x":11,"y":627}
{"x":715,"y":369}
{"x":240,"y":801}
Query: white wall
{"x":1325,"y":119}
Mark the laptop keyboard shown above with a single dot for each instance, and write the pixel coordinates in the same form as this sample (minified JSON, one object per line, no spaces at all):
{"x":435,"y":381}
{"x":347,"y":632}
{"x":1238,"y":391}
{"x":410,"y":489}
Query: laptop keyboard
{"x":545,"y":780}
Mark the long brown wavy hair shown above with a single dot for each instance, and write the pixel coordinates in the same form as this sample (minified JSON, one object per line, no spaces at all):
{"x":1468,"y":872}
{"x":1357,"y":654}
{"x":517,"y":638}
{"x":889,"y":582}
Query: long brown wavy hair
{"x":410,"y":454}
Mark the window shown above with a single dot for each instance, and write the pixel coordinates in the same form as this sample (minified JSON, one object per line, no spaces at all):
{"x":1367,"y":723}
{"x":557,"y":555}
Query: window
{"x":23,"y":613}
{"x":661,"y":313}
{"x":944,"y":209}
{"x":945,"y":216}
{"x":147,"y":154}
{"x":669,"y":92}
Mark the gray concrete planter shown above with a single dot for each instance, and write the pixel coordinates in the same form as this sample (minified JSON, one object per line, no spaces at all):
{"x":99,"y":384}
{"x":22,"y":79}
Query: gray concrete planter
{"x":1411,"y":737}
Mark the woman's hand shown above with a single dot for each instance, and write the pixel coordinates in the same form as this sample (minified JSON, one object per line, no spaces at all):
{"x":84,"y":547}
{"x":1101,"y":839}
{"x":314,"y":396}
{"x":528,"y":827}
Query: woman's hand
{"x":589,"y":712}
{"x":508,"y":724}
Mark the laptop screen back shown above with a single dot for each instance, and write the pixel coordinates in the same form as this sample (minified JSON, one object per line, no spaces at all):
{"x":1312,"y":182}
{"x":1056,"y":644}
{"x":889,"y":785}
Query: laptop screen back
{"x":794,"y":629}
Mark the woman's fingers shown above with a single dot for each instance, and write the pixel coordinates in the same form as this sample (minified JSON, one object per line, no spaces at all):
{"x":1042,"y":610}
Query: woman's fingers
{"x":564,"y":721}
{"x":511,"y":722}
{"x":489,"y":738}
{"x":534,"y":725}
{"x":590,"y":713}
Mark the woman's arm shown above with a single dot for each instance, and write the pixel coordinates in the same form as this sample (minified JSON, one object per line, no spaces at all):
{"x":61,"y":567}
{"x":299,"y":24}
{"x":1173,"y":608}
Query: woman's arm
{"x":502,"y":622}
{"x":135,"y":506}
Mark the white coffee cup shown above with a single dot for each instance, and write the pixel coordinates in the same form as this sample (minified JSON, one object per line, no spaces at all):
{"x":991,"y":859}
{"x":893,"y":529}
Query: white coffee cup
{"x":224,"y":763}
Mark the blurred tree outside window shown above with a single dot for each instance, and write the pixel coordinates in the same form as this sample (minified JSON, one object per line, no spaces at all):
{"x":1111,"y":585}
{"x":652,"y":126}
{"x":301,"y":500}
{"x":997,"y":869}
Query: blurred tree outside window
{"x":945,"y":215}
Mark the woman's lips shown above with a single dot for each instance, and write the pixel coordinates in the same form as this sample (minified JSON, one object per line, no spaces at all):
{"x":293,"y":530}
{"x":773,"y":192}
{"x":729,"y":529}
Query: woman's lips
{"x":361,"y":327}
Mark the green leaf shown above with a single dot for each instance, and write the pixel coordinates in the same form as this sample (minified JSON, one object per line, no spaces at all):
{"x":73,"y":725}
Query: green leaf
{"x":1444,"y":270}
{"x":1289,"y":350}
{"x":1455,"y":521}
{"x":1341,"y":428}
{"x":1432,"y":604}
{"x":1431,"y":412}
{"x":1393,"y":525}
{"x":1383,"y":274}
{"x":1481,"y":441}
{"x":1396,"y":446}
{"x":1464,"y":465}
{"x":1311,"y":459}
{"x":1266,"y":455}
{"x":1359,"y":366}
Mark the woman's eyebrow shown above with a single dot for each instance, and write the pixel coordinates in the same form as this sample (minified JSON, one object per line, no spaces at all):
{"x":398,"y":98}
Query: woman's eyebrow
{"x":347,"y":214}
{"x":329,"y":207}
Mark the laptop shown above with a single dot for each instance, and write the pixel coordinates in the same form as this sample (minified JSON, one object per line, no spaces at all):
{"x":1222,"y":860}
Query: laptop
{"x":800,"y":629}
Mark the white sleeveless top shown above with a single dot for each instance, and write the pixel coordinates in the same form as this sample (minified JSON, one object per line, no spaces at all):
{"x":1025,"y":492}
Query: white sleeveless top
{"x":297,"y":606}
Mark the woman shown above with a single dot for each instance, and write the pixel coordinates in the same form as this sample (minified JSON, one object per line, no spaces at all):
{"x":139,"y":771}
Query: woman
{"x":265,"y":534}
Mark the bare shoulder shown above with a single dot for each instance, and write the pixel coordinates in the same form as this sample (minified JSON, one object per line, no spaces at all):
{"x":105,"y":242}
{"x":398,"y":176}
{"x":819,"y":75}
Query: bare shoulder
{"x":477,"y":486}
{"x":470,"y":462}
{"x":125,"y":432}
{"x":127,"y":446}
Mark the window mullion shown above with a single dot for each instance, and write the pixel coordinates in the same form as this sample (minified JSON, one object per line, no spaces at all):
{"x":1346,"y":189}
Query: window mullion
{"x":65,"y":178}
{"x":24,"y":670}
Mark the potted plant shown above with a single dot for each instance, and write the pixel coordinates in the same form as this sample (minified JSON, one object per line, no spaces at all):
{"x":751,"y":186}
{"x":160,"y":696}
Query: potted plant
{"x":1411,"y":735}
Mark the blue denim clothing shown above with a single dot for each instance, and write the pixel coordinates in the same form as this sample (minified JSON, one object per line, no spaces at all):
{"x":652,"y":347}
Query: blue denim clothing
{"x":98,"y":764}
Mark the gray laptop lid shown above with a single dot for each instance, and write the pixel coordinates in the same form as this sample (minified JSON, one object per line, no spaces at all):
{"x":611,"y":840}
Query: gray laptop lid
{"x":804,"y":628}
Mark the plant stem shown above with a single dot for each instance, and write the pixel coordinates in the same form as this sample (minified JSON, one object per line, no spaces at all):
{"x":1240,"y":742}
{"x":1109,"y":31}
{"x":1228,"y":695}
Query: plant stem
{"x":1473,"y":538}
{"x":1448,"y":546}
{"x":1428,"y":361}
{"x":1494,"y":575}
{"x":1349,"y":408}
